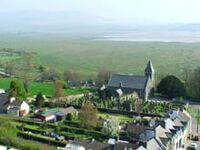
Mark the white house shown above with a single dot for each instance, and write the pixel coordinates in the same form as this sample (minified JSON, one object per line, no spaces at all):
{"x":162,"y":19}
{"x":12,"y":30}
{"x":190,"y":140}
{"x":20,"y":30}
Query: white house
{"x":12,"y":106}
{"x":18,"y":108}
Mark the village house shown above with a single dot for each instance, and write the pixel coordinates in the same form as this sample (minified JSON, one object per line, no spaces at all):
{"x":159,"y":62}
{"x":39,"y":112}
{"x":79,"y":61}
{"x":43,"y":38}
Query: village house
{"x":167,"y":133}
{"x":56,"y":114}
{"x":78,"y":144}
{"x":119,"y":85}
{"x":12,"y":106}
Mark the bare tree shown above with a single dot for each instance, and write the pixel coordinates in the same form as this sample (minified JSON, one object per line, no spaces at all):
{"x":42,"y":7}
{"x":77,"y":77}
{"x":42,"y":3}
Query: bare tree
{"x":70,"y":75}
{"x":59,"y":92}
{"x":88,"y":115}
{"x":138,"y":103}
{"x":26,"y":70}
{"x":103,"y":76}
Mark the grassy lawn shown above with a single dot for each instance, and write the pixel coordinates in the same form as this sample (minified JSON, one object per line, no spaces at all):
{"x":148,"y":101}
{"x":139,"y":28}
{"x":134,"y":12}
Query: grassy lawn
{"x":47,"y":88}
{"x":121,"y":118}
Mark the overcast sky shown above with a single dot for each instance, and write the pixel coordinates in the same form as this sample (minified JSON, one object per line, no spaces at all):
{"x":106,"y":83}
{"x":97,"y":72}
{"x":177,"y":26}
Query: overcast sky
{"x":114,"y":11}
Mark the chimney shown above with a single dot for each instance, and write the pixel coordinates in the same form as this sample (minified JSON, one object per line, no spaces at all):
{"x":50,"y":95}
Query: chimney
{"x":12,"y":99}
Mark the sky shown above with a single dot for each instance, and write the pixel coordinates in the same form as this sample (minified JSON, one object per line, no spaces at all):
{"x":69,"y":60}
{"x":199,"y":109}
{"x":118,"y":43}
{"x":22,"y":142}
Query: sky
{"x":107,"y":11}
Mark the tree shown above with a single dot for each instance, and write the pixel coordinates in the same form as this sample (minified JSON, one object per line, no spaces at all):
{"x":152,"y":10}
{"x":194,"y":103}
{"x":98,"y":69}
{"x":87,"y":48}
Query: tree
{"x":15,"y":90}
{"x":70,"y":75}
{"x":192,"y":81}
{"x":9,"y":68}
{"x":88,"y":115}
{"x":69,"y":117}
{"x":58,"y":89}
{"x":138,"y":105}
{"x":39,"y":101}
{"x":26,"y":70}
{"x":111,"y":127}
{"x":171,"y":87}
{"x":103,"y":76}
{"x":50,"y":75}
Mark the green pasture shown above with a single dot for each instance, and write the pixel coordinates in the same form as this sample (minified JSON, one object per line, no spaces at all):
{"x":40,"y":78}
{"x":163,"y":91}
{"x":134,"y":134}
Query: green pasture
{"x":47,"y":88}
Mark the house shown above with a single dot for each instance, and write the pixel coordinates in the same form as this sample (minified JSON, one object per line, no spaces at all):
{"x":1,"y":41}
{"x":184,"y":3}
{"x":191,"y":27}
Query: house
{"x":78,"y":144}
{"x":55,"y":114}
{"x":48,"y":115}
{"x":153,"y":144}
{"x":119,"y":84}
{"x":141,"y":148}
{"x":182,"y":123}
{"x":19,"y":108}
{"x":2,"y":91}
{"x":69,"y":110}
{"x":12,"y":106}
{"x":168,"y":133}
{"x":3,"y":147}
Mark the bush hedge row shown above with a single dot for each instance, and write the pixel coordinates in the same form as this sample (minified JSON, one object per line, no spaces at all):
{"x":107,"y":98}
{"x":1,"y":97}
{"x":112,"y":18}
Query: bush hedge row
{"x":92,"y":133}
{"x":41,"y":139}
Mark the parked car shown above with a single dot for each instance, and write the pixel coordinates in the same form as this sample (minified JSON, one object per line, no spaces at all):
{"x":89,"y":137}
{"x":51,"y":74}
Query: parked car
{"x":196,"y":138}
{"x":193,"y":146}
{"x":54,"y":135}
{"x":60,"y":138}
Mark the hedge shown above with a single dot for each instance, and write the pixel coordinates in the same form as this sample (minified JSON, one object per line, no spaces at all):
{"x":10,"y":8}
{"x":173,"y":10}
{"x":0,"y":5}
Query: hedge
{"x":92,"y":133}
{"x":41,"y":139}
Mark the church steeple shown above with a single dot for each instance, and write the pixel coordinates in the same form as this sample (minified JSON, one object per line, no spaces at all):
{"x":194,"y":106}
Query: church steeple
{"x":149,"y":70}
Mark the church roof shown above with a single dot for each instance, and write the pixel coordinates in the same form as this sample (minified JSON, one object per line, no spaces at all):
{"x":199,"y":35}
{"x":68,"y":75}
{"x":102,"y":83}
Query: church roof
{"x":127,"y":81}
{"x":149,"y":67}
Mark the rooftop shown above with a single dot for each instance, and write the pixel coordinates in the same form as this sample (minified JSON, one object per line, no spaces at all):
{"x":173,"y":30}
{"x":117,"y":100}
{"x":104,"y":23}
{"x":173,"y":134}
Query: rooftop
{"x":127,"y":81}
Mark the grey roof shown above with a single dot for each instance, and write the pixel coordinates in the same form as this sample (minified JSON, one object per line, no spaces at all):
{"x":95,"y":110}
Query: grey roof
{"x":16,"y":103}
{"x":183,"y":116}
{"x":122,"y":146}
{"x":91,"y":145}
{"x":68,"y":110}
{"x":161,"y":132}
{"x":149,"y":67}
{"x":177,"y":123}
{"x":4,"y":99}
{"x":153,"y":145}
{"x":128,"y":81}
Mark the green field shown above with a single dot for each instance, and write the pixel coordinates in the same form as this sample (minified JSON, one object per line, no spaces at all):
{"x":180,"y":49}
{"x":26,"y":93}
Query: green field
{"x":120,"y":118}
{"x":47,"y":88}
{"x":87,"y":56}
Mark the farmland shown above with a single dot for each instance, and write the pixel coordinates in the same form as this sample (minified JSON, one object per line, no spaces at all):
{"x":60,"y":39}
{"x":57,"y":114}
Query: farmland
{"x":47,"y":88}
{"x":86,"y":56}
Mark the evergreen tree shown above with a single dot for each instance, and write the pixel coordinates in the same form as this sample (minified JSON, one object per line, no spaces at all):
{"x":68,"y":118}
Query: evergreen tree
{"x":39,"y":101}
{"x":171,"y":87}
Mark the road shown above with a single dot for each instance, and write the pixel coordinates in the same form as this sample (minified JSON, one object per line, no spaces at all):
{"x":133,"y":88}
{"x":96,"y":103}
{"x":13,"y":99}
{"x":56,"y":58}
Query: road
{"x":195,"y":106}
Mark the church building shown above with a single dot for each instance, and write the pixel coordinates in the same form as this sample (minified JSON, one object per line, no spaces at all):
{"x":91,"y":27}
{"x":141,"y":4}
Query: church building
{"x":119,"y":84}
